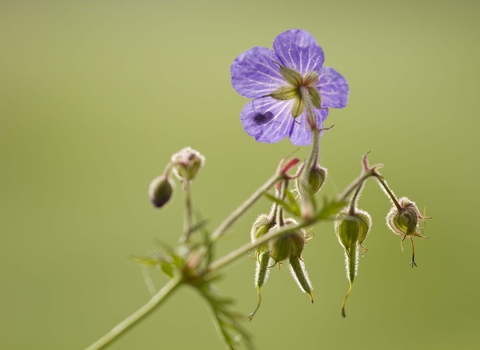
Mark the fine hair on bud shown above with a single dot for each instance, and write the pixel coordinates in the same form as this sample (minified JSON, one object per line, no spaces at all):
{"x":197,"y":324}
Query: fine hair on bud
{"x":262,"y":224}
{"x":160,"y":190}
{"x":315,"y":180}
{"x":186,"y":163}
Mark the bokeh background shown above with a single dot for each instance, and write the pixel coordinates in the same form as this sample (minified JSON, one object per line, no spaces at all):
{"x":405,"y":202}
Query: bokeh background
{"x":95,"y":96}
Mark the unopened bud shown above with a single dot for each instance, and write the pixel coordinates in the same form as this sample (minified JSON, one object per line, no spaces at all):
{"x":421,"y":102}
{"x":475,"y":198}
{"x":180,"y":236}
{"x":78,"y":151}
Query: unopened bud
{"x":315,"y":180}
{"x":186,"y":163}
{"x":260,"y":227}
{"x":160,"y":191}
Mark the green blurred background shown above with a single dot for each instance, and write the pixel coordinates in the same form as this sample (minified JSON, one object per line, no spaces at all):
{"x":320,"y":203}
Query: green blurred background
{"x":95,"y":96}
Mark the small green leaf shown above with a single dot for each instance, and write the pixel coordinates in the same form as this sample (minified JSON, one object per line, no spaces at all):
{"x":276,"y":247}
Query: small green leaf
{"x":329,"y":209}
{"x":292,"y":199}
{"x":167,"y":269}
{"x":291,"y":209}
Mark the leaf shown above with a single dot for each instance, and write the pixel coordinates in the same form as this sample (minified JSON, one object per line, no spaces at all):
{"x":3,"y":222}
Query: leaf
{"x":294,"y":210}
{"x":167,"y":269}
{"x":329,"y":209}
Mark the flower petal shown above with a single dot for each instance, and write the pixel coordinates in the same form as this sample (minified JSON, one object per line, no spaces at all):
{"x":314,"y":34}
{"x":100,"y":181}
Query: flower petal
{"x":255,"y":74}
{"x":267,"y":120}
{"x":298,"y":49}
{"x":333,"y":88}
{"x":300,"y":133}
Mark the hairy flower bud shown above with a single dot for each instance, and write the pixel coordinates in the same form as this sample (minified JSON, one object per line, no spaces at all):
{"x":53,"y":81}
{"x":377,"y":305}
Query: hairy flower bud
{"x":316,"y":178}
{"x":160,"y":190}
{"x":260,"y":227}
{"x":186,"y":163}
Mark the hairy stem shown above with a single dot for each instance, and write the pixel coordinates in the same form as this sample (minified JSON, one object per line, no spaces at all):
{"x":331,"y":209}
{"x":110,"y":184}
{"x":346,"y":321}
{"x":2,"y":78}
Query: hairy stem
{"x":237,"y":213}
{"x":131,"y":320}
{"x":187,"y":220}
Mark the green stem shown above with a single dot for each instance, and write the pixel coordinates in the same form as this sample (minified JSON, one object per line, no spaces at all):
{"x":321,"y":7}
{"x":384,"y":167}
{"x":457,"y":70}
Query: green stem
{"x":187,"y":220}
{"x":354,"y":199}
{"x":131,"y":320}
{"x":239,"y":252}
{"x":389,"y":192}
{"x":237,"y":213}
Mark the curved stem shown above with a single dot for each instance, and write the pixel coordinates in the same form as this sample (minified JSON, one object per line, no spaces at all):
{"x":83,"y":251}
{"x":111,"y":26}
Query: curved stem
{"x":131,"y":320}
{"x":389,"y":192}
{"x":354,"y":200}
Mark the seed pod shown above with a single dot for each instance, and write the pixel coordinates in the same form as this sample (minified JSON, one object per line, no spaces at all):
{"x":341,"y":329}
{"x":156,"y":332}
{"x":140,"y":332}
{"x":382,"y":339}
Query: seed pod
{"x":300,"y":275}
{"x":316,"y":178}
{"x":290,"y":244}
{"x":261,"y":274}
{"x":351,"y":230}
{"x":160,"y":191}
{"x":404,"y":222}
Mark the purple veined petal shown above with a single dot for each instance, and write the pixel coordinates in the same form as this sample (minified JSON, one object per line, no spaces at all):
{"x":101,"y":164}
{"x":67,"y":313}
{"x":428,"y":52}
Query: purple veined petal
{"x":300,"y":133}
{"x":267,"y":120}
{"x":298,"y":49}
{"x":333,"y":88}
{"x":255,"y":74}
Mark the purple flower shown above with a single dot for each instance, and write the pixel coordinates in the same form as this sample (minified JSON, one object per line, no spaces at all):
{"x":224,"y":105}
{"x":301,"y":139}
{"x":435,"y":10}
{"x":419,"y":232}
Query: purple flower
{"x":284,"y":84}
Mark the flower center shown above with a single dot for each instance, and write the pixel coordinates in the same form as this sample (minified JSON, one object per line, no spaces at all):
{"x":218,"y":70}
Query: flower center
{"x":301,"y":89}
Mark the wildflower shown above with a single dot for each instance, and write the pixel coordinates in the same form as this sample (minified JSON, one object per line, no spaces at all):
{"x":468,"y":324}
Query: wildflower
{"x":285,"y":84}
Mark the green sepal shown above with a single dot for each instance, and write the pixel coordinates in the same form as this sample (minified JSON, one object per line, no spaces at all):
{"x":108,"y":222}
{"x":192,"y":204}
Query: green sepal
{"x":285,"y":93}
{"x":298,"y":107}
{"x":311,"y":79}
{"x":291,"y":75}
{"x":315,"y":97}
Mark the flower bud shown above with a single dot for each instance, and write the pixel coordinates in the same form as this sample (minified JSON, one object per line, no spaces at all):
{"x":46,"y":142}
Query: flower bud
{"x":186,"y":163}
{"x":260,"y":227}
{"x":288,"y":245}
{"x":315,"y":180}
{"x":160,"y":190}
